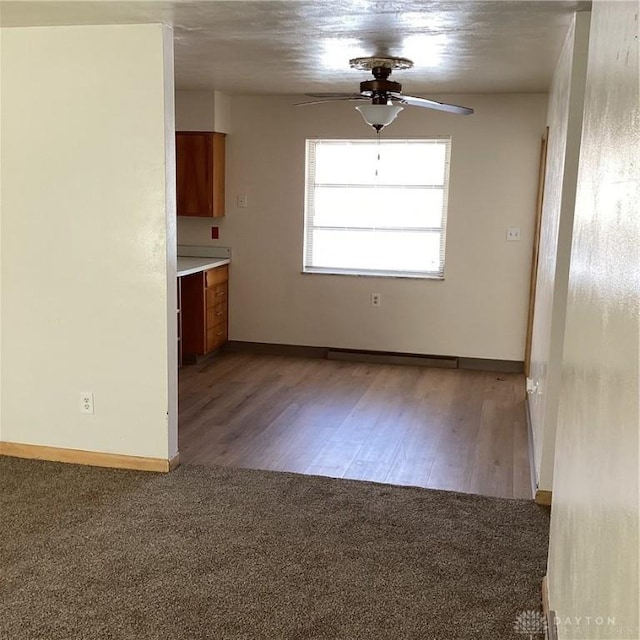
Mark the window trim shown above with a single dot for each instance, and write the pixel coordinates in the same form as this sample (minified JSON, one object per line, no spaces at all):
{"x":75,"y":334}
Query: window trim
{"x":362,"y":272}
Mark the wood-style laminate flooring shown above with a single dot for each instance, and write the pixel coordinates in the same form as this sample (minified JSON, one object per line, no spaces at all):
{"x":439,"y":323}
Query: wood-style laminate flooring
{"x":439,"y":428}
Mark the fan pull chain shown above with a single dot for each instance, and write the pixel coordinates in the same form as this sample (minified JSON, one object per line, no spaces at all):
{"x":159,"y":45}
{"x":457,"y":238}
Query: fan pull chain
{"x":378,"y":158}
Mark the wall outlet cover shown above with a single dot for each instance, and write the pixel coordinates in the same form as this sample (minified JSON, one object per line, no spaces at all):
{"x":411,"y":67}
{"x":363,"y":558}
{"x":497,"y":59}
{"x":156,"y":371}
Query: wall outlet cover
{"x":86,"y":402}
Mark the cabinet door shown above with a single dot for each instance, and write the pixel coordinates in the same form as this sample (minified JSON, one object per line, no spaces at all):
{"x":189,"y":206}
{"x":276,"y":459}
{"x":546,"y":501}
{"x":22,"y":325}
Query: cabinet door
{"x":179,"y":300}
{"x":200,"y":174}
{"x":193,"y":312}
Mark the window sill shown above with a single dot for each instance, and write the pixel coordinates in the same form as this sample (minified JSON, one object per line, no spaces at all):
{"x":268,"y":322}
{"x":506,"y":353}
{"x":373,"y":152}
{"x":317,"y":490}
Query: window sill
{"x":372,"y":274}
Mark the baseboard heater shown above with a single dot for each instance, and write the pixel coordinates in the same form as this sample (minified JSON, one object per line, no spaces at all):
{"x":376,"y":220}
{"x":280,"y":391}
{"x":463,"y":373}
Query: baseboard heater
{"x":380,"y":357}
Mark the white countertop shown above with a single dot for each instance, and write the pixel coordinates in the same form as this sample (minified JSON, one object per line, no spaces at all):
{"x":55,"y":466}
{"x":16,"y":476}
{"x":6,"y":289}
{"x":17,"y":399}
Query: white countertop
{"x":187,"y":266}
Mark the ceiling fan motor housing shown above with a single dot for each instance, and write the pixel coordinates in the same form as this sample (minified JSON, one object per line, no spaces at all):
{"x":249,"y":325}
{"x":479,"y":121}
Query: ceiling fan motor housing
{"x":380,"y":86}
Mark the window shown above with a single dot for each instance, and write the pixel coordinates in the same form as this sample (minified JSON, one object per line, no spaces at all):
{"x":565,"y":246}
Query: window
{"x":376,"y":207}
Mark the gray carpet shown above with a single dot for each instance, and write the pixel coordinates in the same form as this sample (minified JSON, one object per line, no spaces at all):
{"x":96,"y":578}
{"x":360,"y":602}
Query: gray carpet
{"x":227,"y":553}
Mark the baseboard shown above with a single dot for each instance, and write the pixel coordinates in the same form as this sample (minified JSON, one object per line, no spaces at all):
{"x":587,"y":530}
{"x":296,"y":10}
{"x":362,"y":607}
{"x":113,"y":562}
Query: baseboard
{"x":549,"y":615}
{"x":543,"y":497}
{"x":440,"y":362}
{"x":545,"y":596}
{"x":192,"y":358}
{"x":90,"y":458}
{"x":540,"y":496}
{"x":380,"y":357}
{"x":174,"y":462}
{"x":532,"y":453}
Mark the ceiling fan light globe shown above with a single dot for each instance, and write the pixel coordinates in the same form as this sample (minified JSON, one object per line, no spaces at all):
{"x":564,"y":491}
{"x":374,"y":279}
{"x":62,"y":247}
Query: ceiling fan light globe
{"x":379,"y":115}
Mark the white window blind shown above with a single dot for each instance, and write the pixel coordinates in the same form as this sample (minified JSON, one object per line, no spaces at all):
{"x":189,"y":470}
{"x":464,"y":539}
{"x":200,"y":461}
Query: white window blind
{"x":376,"y":207}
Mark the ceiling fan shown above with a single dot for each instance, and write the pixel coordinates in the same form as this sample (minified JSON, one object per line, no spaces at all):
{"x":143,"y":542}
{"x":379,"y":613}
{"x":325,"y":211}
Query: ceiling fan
{"x":384,"y":94}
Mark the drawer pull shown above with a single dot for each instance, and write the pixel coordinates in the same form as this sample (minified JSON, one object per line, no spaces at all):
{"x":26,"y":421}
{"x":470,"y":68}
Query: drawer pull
{"x":219,"y":313}
{"x":220,"y":293}
{"x":220,"y":333}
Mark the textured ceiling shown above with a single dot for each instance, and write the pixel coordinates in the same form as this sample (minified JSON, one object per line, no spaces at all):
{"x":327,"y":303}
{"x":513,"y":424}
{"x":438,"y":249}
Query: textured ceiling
{"x":300,"y":46}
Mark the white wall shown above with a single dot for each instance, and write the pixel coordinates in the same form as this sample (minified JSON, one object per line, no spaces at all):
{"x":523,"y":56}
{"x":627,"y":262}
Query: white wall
{"x":564,"y":119}
{"x":88,"y":283}
{"x":480,"y":308}
{"x":594,"y":559}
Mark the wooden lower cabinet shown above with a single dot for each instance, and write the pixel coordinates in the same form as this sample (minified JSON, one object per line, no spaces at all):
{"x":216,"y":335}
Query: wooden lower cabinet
{"x":204,"y":312}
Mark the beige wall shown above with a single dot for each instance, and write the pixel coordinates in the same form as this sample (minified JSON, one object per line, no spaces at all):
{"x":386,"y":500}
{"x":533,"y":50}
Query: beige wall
{"x":480,"y":308}
{"x":87,"y":272}
{"x":593,"y":559}
{"x":1,"y":191}
{"x":203,"y":111}
{"x":564,"y":119}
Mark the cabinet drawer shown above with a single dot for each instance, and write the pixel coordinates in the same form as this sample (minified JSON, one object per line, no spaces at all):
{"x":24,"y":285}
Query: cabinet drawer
{"x":216,"y":336}
{"x":216,"y":295}
{"x":216,"y":276}
{"x":216,"y":315}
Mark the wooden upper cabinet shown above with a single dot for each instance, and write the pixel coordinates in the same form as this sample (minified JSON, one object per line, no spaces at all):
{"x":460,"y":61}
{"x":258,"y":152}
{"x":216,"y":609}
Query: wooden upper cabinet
{"x":200,"y":173}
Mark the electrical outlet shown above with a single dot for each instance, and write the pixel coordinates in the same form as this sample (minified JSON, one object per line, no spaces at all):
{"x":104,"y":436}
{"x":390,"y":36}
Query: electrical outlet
{"x":513,"y":234}
{"x":376,"y":300}
{"x":242,"y":201}
{"x":86,"y":402}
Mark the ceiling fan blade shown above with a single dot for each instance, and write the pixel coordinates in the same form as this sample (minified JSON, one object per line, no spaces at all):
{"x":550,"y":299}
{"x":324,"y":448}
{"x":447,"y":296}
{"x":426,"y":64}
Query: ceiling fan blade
{"x":336,"y":97}
{"x":430,"y":104}
{"x":329,"y":94}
